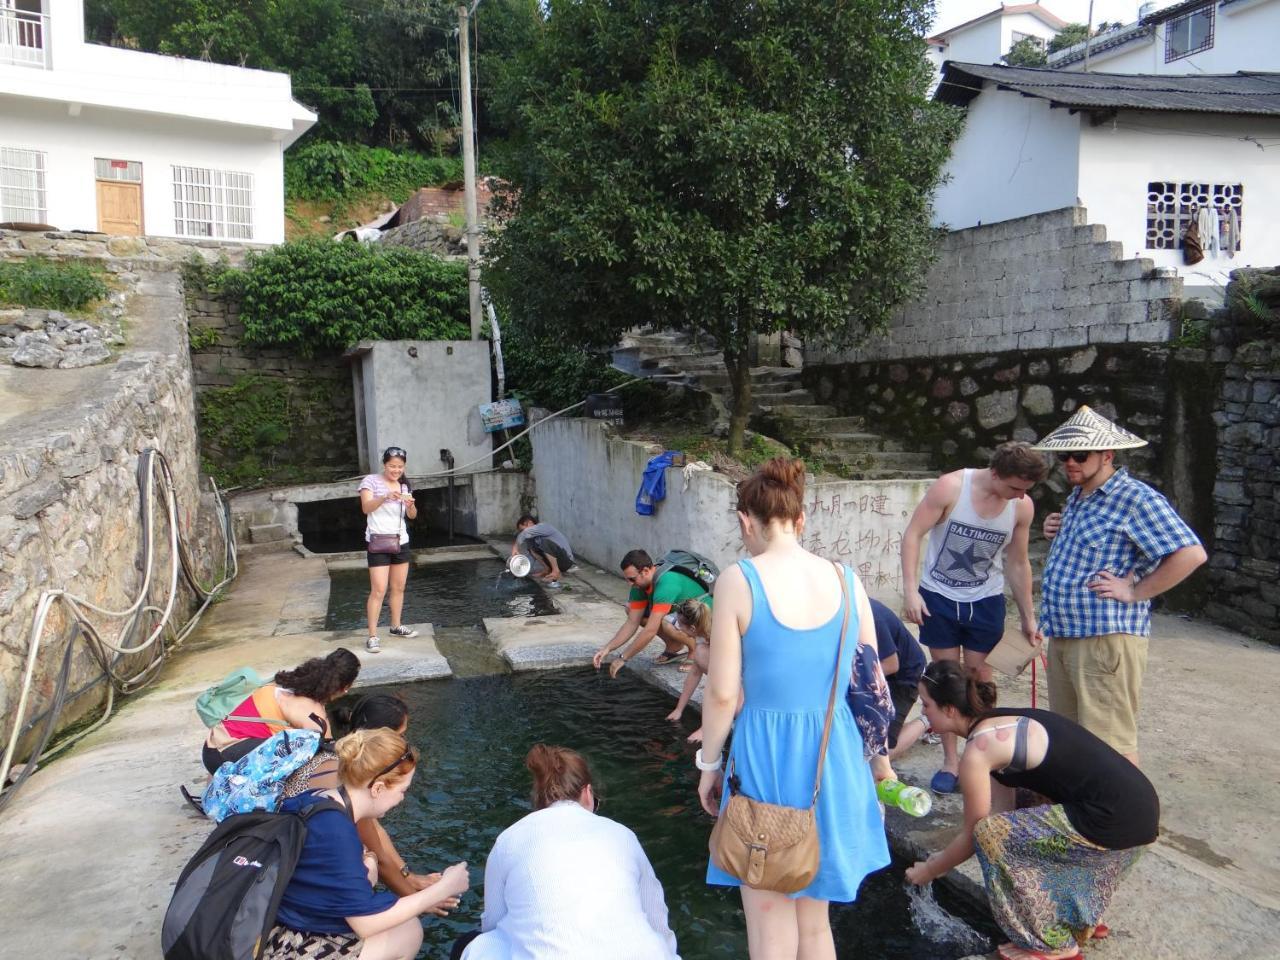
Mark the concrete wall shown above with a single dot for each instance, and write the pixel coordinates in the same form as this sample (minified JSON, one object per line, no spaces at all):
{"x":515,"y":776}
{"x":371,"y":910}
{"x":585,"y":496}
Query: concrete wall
{"x":1119,"y":159}
{"x":1016,"y":157}
{"x":587,"y":482}
{"x":1039,"y":282}
{"x":422,"y":395}
{"x":69,"y":514}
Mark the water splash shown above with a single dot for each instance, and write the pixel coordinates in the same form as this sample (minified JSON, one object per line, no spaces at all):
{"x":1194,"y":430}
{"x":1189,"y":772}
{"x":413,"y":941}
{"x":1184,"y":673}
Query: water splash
{"x":938,"y":925}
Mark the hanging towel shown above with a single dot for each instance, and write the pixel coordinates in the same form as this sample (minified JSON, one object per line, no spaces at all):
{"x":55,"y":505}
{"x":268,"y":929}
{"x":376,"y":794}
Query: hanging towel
{"x":1192,"y":251}
{"x":1207,"y":225}
{"x":690,"y":468}
{"x":1233,"y":231}
{"x":653,"y":485}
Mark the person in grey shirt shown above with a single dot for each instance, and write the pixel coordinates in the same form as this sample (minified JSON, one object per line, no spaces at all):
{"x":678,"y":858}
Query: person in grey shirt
{"x":546,"y":547}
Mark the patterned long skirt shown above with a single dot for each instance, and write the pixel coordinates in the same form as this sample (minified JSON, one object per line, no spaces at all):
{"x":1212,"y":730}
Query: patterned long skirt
{"x":286,"y":944}
{"x":1044,"y":880}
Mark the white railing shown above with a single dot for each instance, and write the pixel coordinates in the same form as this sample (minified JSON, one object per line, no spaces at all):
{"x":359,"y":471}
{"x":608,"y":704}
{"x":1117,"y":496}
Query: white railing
{"x":23,"y":37}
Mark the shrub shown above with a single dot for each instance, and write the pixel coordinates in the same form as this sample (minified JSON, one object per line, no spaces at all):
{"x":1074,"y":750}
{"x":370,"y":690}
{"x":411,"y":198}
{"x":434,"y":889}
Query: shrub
{"x":39,"y":282}
{"x":317,"y":294}
{"x":323,"y":170}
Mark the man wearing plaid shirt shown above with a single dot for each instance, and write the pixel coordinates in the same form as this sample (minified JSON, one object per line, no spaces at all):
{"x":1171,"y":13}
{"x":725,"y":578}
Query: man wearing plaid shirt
{"x":1116,"y":545}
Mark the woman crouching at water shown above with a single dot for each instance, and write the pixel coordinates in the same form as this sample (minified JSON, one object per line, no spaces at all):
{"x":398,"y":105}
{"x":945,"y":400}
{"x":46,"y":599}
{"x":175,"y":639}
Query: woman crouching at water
{"x":329,"y":909}
{"x":565,"y":884}
{"x":1050,"y":871}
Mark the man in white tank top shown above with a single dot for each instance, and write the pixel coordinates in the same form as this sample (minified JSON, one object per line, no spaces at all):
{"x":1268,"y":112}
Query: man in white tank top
{"x":977,"y":522}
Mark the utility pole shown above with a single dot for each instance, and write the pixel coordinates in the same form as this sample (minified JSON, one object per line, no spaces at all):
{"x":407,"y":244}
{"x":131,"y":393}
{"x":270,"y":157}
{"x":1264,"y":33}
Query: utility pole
{"x":1088,"y":35}
{"x":469,"y":172}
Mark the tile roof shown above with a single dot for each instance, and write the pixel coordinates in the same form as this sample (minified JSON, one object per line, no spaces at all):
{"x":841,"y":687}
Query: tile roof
{"x":1240,"y":93}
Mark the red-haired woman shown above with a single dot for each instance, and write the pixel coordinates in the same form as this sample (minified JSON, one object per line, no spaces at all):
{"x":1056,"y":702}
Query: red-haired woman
{"x":775,"y":634}
{"x":566,"y":884}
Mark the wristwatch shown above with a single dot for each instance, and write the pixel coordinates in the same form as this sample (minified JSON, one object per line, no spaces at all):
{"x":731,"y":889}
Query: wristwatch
{"x":405,"y":871}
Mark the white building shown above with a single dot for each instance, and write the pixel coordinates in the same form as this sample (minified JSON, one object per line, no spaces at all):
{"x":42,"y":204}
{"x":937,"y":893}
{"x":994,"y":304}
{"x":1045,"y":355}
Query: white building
{"x":1196,"y":36}
{"x":987,"y":38}
{"x":98,"y":138}
{"x":1142,"y":154}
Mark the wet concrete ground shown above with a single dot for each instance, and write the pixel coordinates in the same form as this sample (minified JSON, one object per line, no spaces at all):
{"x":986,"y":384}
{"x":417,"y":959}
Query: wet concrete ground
{"x":94,"y":842}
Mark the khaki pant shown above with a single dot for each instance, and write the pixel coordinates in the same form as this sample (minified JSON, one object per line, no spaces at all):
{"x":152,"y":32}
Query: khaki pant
{"x":1097,"y":682}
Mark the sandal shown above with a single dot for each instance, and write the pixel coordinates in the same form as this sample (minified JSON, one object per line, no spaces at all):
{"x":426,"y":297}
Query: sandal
{"x":668,"y":657}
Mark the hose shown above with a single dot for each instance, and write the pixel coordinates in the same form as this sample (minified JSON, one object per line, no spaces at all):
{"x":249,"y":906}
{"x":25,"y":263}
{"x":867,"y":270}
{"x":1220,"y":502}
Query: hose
{"x":109,"y":653}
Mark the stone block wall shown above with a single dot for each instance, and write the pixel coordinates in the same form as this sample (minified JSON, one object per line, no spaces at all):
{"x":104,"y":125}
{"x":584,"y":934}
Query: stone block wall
{"x":1048,"y":281}
{"x":69,"y":494}
{"x":162,"y":252}
{"x":429,"y":235}
{"x":1244,"y":570}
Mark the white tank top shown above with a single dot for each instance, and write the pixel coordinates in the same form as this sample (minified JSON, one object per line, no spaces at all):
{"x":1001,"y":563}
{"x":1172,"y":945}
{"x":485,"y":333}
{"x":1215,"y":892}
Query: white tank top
{"x":965,"y":559}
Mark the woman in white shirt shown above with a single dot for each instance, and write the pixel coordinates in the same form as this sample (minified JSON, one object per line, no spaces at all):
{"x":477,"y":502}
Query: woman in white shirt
{"x":565,"y":884}
{"x":387,"y":503}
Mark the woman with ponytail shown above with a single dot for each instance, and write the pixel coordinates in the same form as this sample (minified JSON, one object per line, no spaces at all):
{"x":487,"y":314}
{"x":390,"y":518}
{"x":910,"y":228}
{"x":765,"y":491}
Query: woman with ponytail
{"x":775,"y":636}
{"x":564,"y":883}
{"x":296,"y":699}
{"x":1050,"y":870}
{"x":329,"y":909}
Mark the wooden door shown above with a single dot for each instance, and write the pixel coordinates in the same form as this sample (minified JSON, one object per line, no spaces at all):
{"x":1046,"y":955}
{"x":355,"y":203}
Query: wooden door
{"x":120,"y":208}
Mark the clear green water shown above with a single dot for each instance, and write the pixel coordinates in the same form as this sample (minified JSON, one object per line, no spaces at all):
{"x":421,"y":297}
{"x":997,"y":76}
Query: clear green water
{"x":474,"y":733}
{"x":454,"y":594}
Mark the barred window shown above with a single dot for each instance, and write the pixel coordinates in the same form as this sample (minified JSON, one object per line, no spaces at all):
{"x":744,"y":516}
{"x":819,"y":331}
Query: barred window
{"x":1188,"y":34}
{"x":23,"y":197}
{"x":1172,"y":206}
{"x":212,"y":203}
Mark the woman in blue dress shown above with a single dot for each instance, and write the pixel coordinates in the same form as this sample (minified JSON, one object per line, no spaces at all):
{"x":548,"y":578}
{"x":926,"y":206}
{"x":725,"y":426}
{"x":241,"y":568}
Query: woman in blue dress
{"x":775,"y":634}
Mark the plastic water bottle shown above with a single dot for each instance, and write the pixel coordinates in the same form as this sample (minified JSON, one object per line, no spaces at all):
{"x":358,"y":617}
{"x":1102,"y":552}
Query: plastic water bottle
{"x":910,"y":800}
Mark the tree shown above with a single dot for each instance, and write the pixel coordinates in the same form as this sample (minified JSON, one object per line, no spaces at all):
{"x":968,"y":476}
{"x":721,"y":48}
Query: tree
{"x":1069,"y":36}
{"x":722,"y":168}
{"x":1027,"y":52}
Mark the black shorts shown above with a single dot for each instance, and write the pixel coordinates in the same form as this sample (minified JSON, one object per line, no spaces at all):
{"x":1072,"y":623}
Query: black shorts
{"x":390,"y":559}
{"x":904,"y":698}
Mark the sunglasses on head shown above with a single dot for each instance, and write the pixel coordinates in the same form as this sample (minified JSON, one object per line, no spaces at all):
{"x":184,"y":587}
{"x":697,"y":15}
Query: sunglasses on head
{"x":390,"y":452}
{"x":407,"y":755}
{"x":1078,"y":456}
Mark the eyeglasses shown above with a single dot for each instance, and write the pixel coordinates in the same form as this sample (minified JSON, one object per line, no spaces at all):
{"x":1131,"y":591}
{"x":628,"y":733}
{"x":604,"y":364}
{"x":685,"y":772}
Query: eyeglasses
{"x":1079,"y":456}
{"x":390,"y":452}
{"x":407,"y":755}
{"x":596,"y":802}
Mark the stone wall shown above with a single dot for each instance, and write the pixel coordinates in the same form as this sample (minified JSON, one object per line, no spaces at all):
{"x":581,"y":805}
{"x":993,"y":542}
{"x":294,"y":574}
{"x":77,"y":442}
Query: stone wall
{"x":429,"y":235}
{"x":1043,"y":282}
{"x":586,"y":486}
{"x":156,"y":251}
{"x":320,"y":440}
{"x":69,"y":499}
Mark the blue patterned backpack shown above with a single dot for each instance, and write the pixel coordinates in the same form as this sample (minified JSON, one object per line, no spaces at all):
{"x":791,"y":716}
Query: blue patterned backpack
{"x":256,"y":781}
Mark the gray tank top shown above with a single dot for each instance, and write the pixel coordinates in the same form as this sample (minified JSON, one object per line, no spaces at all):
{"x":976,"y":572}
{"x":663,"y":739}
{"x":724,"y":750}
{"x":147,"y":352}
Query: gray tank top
{"x":965,"y":559}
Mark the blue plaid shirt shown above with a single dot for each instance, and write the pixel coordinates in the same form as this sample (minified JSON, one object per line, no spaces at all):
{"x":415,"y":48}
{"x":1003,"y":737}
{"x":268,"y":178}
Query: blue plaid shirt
{"x":1124,"y":527}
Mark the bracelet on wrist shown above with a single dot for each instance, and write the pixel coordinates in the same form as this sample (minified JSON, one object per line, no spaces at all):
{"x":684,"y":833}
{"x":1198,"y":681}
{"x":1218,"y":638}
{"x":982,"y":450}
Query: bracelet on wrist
{"x":705,"y":766}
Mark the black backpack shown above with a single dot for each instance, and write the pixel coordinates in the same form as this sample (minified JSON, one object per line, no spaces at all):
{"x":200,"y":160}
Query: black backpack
{"x":693,"y":565}
{"x":226,"y":899}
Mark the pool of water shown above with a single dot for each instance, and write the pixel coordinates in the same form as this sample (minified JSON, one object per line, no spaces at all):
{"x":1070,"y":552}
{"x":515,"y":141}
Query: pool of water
{"x":471,"y":784}
{"x":452,"y":593}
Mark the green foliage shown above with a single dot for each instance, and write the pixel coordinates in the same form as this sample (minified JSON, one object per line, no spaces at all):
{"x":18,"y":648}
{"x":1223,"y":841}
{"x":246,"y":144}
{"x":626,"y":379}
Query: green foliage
{"x":1192,"y":333}
{"x":546,"y":373}
{"x":1069,"y":36}
{"x":39,"y":282}
{"x":322,"y":170}
{"x":726,"y":170}
{"x":262,"y":429}
{"x":1027,"y":52}
{"x":202,"y":338}
{"x":317,"y":294}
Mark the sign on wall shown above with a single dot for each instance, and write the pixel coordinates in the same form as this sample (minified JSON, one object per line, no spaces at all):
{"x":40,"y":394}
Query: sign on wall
{"x":501,"y":415}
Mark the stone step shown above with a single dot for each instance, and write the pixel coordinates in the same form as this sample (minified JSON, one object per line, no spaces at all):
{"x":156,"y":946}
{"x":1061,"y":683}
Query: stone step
{"x":879,"y":474}
{"x":813,"y":428}
{"x":783,"y":396}
{"x":880,"y":459}
{"x":270,"y":546}
{"x":806,"y":412}
{"x":267,"y":533}
{"x":854,"y":441}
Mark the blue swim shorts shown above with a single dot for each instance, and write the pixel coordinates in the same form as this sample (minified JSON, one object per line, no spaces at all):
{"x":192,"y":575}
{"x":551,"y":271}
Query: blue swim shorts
{"x":976,"y":626}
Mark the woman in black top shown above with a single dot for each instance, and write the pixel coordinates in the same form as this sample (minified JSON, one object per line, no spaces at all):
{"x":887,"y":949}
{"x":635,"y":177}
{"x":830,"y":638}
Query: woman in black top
{"x":1051,"y":870}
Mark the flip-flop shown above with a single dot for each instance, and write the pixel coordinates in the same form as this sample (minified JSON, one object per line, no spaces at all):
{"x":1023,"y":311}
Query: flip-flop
{"x":1033,"y":954}
{"x":944,"y":781}
{"x":667,"y":657}
{"x":1100,"y":932}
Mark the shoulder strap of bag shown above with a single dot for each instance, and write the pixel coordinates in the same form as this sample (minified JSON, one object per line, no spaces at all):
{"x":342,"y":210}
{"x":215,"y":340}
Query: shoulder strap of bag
{"x":835,"y":681}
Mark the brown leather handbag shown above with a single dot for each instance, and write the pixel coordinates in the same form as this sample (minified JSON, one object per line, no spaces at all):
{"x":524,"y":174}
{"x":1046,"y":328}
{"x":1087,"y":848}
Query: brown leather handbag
{"x":386,"y":542}
{"x":769,"y":846}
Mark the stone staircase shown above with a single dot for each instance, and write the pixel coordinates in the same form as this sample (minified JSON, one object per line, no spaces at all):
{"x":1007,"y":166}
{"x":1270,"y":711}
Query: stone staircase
{"x":781,"y":407}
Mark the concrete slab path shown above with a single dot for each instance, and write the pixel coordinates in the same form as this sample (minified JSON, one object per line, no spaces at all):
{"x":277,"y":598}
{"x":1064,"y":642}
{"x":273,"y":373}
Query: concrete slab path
{"x":93,"y":843}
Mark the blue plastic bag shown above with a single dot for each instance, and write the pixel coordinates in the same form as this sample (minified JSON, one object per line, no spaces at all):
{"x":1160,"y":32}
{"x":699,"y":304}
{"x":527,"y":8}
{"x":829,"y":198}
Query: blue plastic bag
{"x":653,"y":485}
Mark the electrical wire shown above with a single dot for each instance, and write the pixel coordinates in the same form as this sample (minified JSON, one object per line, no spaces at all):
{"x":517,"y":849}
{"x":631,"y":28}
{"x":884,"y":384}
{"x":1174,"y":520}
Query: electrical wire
{"x":151,"y":465}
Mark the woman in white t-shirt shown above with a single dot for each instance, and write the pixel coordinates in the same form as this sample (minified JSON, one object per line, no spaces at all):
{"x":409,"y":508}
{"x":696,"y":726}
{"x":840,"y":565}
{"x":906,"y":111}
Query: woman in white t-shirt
{"x":387,"y":503}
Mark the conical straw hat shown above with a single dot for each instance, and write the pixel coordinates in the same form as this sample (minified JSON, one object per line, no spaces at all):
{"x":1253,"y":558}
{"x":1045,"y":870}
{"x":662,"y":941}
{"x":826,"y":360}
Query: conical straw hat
{"x":1087,"y":430}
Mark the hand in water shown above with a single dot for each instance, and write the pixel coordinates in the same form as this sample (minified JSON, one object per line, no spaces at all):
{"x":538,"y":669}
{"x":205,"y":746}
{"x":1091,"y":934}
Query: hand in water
{"x":598,"y":657}
{"x":615,"y":668}
{"x":918,"y":874}
{"x":441,"y":909}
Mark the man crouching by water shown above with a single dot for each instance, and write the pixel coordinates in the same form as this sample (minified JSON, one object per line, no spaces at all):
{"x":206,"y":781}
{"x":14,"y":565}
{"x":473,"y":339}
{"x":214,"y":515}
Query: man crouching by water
{"x":650,"y":605}
{"x":546,"y":547}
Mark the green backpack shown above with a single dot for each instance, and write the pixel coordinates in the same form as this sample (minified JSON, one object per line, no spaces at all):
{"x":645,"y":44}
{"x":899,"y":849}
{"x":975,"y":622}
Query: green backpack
{"x":216,"y":703}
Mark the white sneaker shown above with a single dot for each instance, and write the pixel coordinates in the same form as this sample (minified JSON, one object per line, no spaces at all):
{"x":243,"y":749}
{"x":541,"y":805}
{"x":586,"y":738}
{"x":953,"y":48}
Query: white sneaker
{"x":372,"y":645}
{"x":403,"y":632}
